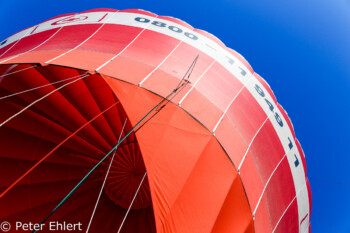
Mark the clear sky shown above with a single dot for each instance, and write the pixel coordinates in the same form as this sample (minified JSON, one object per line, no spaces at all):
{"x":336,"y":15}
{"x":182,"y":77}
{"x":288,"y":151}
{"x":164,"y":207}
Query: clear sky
{"x":302,"y":49}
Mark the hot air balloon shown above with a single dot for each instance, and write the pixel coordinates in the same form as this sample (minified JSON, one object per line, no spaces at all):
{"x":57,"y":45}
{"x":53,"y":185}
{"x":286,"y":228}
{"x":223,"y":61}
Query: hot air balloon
{"x":126,"y":121}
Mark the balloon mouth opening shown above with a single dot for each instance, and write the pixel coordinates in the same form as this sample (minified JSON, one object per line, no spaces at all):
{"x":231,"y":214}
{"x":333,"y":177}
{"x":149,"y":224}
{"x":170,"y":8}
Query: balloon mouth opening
{"x":125,"y":181}
{"x":59,"y":123}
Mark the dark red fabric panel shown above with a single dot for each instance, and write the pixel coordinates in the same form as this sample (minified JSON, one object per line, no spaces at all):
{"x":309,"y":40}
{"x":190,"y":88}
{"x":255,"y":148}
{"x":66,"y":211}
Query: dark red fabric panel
{"x":45,"y":154}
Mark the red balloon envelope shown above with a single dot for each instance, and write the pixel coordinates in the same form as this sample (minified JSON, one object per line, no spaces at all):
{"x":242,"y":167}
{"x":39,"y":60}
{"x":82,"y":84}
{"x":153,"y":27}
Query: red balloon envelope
{"x":221,"y":156}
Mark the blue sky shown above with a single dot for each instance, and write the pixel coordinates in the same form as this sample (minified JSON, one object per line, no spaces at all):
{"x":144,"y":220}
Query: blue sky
{"x":302,"y":49}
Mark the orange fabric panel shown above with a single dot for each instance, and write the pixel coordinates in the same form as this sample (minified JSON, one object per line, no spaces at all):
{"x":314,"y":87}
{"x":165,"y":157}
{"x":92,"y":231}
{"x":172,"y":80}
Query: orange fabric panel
{"x":140,"y":100}
{"x":191,"y":178}
{"x":235,"y":215}
{"x":199,"y":201}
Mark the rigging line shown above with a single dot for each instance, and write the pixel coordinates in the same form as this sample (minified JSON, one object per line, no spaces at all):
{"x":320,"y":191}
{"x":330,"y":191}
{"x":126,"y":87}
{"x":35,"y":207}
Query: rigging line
{"x":41,"y":98}
{"x":48,"y":154}
{"x":38,"y":87}
{"x":195,"y":83}
{"x":104,"y":181}
{"x":161,"y":63}
{"x":17,"y":71}
{"x":189,"y":71}
{"x":132,"y":202}
{"x":183,"y":80}
{"x":157,"y":110}
{"x":94,"y":168}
